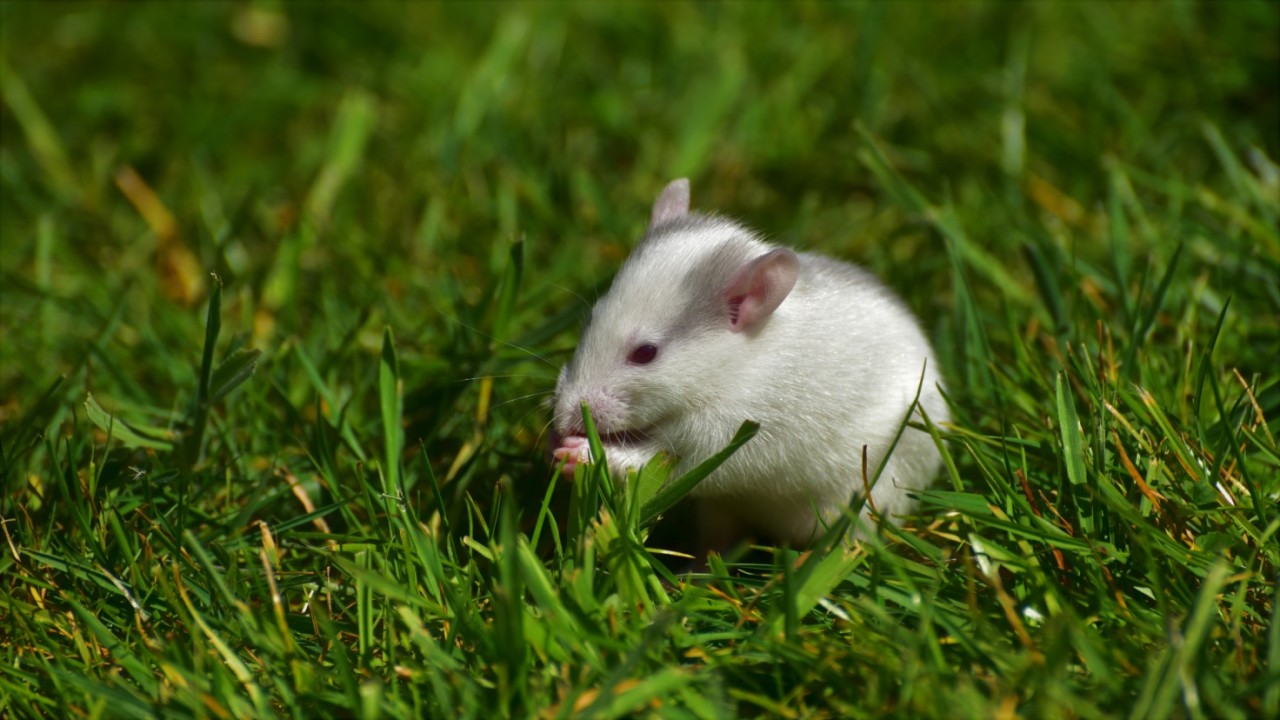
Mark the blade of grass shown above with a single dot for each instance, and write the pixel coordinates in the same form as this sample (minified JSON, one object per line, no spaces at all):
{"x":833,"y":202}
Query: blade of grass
{"x":45,"y":143}
{"x":670,"y":494}
{"x":1176,"y":671}
{"x":1157,"y":302}
{"x":1069,"y":429}
{"x":121,"y":431}
{"x":391,"y":392}
{"x":192,"y":448}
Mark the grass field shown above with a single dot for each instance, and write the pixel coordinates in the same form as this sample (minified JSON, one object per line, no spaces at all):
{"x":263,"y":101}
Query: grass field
{"x":284,"y":290}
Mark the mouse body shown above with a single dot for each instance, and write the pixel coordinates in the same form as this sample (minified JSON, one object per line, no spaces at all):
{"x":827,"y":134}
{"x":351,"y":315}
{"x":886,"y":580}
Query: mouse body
{"x":705,"y":326}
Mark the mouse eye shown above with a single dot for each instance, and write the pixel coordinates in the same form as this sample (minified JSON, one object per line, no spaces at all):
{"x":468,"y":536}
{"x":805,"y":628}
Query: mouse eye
{"x":643,"y":355}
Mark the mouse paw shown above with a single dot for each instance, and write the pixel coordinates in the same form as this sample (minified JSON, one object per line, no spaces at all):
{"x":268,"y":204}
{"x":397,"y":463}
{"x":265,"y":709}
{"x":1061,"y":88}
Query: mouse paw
{"x":573,"y":451}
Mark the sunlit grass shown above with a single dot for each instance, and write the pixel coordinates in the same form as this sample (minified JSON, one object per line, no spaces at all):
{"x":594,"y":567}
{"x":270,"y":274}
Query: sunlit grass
{"x":284,"y":292}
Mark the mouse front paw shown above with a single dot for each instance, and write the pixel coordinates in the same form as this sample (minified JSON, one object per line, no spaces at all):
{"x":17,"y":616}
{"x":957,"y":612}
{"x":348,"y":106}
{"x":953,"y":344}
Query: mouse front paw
{"x":573,"y":450}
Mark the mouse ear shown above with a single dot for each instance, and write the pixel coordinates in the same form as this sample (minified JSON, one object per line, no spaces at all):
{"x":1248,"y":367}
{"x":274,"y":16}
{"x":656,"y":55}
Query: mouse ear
{"x":672,"y":203}
{"x":759,"y":287}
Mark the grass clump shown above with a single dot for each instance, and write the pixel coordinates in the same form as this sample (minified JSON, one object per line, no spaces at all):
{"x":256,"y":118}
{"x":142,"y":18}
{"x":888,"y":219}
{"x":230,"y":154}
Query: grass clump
{"x":283,"y":289}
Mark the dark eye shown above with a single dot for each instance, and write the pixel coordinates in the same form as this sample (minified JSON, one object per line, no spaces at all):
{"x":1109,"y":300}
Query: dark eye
{"x":643,"y":355}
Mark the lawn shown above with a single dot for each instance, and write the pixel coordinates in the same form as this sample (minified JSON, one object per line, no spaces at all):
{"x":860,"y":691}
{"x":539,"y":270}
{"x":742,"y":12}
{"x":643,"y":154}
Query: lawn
{"x":284,"y":290}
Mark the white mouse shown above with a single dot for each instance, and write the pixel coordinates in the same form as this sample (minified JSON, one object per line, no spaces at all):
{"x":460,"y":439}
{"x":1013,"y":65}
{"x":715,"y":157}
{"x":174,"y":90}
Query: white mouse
{"x":706,"y":325}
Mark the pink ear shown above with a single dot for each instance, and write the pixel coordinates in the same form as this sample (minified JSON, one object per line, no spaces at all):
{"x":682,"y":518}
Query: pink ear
{"x":759,"y":287}
{"x":672,"y":203}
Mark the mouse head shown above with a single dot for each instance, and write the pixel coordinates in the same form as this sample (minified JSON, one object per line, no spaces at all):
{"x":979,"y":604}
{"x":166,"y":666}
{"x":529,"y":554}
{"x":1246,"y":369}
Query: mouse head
{"x":683,"y":326}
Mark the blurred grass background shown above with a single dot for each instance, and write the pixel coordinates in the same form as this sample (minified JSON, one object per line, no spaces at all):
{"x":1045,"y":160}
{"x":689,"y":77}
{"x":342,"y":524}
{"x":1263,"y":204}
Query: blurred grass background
{"x":396,"y":141}
{"x":1079,"y":200}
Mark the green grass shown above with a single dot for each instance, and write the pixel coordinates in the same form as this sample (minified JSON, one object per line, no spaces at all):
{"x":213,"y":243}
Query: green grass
{"x":315,"y":485}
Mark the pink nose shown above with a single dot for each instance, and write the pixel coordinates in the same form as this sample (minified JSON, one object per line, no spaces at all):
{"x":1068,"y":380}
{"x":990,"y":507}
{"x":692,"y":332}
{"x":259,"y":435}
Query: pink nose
{"x":606,"y":408}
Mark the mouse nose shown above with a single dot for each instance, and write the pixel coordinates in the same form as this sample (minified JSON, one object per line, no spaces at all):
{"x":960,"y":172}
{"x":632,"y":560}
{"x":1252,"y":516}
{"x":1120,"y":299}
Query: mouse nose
{"x":607,"y":409}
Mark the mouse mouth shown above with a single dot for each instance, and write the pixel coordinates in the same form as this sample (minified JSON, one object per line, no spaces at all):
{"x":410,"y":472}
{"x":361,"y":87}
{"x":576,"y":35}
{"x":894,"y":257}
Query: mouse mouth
{"x":631,"y":437}
{"x":625,"y":438}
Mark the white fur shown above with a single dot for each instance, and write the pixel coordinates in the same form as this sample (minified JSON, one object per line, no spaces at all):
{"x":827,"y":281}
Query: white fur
{"x":834,"y":369}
